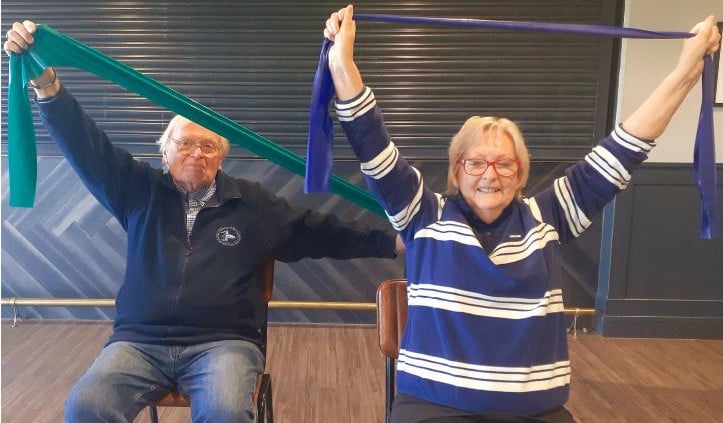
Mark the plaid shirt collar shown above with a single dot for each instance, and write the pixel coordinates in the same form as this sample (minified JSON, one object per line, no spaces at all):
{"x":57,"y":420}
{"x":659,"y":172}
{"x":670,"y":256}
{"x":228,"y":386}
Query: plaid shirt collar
{"x":198,"y":199}
{"x":195,"y":201}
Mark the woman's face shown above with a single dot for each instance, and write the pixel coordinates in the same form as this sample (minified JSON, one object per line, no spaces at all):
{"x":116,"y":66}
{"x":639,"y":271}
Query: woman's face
{"x":490,"y":193}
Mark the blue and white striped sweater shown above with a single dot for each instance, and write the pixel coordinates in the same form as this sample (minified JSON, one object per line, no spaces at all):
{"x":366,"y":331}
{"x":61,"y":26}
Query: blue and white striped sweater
{"x":485,"y":332}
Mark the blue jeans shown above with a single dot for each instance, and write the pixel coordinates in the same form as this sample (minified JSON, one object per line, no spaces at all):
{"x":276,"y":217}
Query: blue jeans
{"x":218,"y":377}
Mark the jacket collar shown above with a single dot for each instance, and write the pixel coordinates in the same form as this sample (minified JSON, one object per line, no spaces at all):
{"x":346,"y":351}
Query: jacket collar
{"x":226,"y":186}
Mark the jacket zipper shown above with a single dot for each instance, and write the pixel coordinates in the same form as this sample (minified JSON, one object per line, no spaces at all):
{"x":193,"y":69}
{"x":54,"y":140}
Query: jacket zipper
{"x":187,"y":256}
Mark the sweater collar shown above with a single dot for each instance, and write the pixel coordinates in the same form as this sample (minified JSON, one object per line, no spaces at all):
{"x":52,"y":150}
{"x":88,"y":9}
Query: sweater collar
{"x":476,"y":221}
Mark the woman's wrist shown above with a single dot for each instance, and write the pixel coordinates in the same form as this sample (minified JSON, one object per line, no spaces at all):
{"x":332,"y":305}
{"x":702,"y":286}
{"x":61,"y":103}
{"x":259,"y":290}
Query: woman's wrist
{"x":347,"y":80}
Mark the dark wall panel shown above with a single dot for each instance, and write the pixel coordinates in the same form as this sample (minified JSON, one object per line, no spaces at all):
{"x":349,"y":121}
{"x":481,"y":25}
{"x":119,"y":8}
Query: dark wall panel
{"x":664,"y":279}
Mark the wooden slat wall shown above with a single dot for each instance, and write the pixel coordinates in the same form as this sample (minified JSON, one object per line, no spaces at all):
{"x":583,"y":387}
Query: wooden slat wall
{"x":254,"y":62}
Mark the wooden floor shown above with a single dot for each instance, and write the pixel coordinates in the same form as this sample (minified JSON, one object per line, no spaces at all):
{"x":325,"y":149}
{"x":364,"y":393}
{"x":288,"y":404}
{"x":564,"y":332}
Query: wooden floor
{"x":336,"y":374}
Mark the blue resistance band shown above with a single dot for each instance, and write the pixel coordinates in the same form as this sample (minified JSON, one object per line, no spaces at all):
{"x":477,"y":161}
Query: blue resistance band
{"x":321,"y":127}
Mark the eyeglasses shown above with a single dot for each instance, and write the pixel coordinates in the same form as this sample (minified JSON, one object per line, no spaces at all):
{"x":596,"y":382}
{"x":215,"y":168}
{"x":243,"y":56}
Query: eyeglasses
{"x":477,"y":167}
{"x":187,"y":146}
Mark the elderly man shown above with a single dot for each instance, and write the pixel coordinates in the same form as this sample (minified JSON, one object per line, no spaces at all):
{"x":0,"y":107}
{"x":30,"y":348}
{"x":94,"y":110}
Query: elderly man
{"x":189,"y":312}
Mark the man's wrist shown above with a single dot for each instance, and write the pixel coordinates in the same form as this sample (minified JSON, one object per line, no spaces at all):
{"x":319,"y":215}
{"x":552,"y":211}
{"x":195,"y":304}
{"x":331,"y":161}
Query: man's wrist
{"x":39,"y":85}
{"x":47,"y":89}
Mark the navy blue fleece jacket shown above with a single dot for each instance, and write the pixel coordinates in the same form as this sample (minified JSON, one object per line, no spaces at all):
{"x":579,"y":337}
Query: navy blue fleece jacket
{"x":182,"y":291}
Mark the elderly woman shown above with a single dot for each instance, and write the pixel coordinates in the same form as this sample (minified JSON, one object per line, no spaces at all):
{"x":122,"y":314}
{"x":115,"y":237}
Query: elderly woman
{"x":485,"y":338}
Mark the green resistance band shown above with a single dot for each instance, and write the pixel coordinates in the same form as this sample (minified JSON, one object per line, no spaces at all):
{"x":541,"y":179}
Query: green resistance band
{"x":52,"y":48}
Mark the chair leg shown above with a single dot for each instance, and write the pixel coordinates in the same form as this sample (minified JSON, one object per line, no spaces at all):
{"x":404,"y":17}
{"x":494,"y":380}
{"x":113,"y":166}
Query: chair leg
{"x":154,"y":413}
{"x":270,"y":404}
{"x":264,"y":403}
{"x":390,"y":389}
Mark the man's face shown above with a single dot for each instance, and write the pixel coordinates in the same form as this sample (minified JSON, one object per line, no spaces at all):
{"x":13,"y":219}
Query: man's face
{"x":193,"y":155}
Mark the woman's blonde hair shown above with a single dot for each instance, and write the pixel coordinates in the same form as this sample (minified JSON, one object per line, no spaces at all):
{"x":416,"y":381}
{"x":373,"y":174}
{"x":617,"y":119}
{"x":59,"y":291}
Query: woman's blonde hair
{"x":493,"y":127}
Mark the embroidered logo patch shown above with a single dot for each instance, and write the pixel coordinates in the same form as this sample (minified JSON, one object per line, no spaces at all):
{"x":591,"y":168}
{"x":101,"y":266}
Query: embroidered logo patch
{"x":228,"y":236}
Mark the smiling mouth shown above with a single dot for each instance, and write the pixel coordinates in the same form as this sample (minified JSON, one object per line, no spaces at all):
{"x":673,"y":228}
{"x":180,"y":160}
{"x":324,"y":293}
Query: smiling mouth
{"x":487,"y":190}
